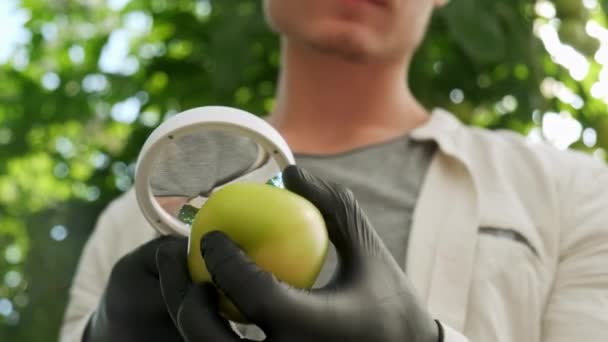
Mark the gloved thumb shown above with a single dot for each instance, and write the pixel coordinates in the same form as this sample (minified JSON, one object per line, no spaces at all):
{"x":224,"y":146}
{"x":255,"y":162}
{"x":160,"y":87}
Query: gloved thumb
{"x":171,"y":261}
{"x":198,"y":318}
{"x":192,"y":307}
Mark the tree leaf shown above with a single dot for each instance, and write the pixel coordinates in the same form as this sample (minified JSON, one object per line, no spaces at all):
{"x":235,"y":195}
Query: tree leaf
{"x":476,"y":29}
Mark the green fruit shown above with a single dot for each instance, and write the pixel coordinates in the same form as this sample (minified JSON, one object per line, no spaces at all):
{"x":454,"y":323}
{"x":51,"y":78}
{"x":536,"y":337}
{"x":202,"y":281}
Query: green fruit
{"x":280,"y":231}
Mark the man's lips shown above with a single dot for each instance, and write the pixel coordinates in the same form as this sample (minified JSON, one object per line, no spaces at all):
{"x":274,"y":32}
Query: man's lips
{"x":382,"y":3}
{"x":379,"y":3}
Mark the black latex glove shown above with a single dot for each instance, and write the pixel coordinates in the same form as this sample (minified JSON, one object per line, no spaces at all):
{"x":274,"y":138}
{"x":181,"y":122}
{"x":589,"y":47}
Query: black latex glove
{"x":192,"y":307}
{"x":369,"y":298}
{"x":132,"y":307}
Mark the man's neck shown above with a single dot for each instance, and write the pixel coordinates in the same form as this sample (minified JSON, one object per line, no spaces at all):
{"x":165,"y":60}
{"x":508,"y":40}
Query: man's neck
{"x":326,"y":104}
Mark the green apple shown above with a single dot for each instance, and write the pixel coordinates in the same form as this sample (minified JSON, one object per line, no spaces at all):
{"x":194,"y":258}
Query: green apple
{"x":280,"y":231}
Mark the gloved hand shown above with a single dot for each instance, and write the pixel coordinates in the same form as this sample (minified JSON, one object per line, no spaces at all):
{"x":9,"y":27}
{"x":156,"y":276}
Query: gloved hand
{"x":132,"y":308}
{"x":368,"y":299}
{"x":192,"y":307}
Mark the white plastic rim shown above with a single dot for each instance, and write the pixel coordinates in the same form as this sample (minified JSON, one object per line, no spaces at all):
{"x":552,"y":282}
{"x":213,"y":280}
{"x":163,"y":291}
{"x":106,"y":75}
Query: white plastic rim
{"x":229,"y":119}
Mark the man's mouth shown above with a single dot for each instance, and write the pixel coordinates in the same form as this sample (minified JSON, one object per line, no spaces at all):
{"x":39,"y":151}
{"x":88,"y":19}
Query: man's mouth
{"x":381,"y":3}
{"x":378,"y":3}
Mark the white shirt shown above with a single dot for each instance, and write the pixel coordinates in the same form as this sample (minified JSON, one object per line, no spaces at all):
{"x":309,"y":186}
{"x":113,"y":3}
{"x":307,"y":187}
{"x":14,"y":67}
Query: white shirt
{"x":509,"y":241}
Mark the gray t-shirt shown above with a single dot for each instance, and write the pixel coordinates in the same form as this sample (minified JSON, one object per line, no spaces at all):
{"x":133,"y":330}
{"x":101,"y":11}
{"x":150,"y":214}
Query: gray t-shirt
{"x":385,"y":179}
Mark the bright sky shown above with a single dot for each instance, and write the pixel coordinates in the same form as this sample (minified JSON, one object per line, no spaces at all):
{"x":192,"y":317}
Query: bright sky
{"x":12,"y":32}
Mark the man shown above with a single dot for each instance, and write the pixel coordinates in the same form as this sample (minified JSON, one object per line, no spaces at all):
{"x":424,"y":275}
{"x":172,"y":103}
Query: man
{"x":457,"y":233}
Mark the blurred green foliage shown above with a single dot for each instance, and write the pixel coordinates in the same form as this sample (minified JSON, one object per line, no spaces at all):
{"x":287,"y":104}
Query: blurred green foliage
{"x":87,"y":81}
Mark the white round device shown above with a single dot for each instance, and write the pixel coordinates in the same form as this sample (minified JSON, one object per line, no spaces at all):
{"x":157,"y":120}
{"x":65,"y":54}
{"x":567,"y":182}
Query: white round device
{"x":198,"y":151}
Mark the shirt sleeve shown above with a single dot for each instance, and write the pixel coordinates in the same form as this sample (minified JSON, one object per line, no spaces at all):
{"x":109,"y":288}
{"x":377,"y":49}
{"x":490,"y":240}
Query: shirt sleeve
{"x":119,"y":229}
{"x":88,"y":283}
{"x":578,"y":306}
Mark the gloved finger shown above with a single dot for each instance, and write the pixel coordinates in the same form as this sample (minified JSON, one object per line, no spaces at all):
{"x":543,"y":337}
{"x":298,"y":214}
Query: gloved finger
{"x":198,"y":319}
{"x":172,"y":264}
{"x":143,"y":258}
{"x":319,"y":192}
{"x":258,"y":294}
{"x":348,"y":227}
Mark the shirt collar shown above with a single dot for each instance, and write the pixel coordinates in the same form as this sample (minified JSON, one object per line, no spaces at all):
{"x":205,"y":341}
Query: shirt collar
{"x":443,"y":128}
{"x":440,"y":126}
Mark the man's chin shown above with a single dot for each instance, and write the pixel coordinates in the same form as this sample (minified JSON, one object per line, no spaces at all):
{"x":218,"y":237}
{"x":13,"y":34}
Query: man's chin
{"x":347,"y":48}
